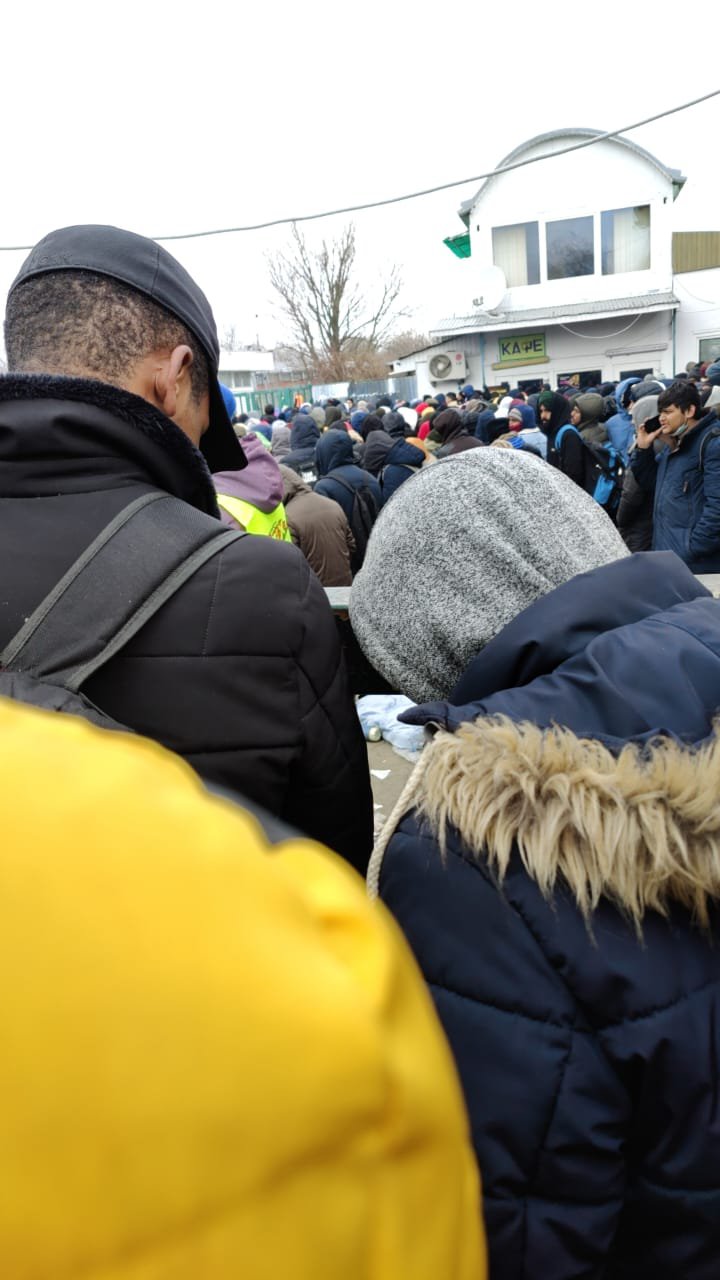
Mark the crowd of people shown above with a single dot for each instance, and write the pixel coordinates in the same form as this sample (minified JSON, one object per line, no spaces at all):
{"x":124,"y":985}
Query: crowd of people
{"x":650,"y":474}
{"x":220,"y":1056}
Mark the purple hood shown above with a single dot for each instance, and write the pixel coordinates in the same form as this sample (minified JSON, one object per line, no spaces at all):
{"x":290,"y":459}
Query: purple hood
{"x":260,"y":483}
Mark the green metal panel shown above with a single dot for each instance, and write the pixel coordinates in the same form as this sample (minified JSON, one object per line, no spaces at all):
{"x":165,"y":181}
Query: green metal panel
{"x":253,"y":402}
{"x":459,"y":245}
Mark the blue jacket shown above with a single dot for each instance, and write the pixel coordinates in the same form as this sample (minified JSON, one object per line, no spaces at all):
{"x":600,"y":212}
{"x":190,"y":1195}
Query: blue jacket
{"x":334,"y":460}
{"x":402,"y":462}
{"x":588,"y":1048}
{"x":686,"y":510}
{"x":620,"y":427}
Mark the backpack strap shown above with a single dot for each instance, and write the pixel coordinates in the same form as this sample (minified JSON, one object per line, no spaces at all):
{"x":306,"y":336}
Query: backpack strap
{"x":129,"y":571}
{"x":567,"y":426}
{"x":708,"y":435}
{"x":344,"y":484}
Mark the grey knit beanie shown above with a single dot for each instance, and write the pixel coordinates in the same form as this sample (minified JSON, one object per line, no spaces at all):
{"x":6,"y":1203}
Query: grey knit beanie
{"x":459,"y":551}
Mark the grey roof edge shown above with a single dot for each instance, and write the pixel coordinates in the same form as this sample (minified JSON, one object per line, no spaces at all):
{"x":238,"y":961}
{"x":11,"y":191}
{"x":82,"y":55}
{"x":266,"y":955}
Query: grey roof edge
{"x":673,"y":175}
{"x":533,"y":316}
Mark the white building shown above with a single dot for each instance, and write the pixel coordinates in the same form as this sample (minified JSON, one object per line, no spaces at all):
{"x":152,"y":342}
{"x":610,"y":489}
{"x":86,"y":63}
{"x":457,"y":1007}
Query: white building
{"x":577,"y":273}
{"x":246,"y":370}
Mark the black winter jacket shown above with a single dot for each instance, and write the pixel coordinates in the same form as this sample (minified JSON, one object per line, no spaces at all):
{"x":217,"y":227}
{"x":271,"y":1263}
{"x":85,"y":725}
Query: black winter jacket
{"x":241,"y":672}
{"x":560,"y":927}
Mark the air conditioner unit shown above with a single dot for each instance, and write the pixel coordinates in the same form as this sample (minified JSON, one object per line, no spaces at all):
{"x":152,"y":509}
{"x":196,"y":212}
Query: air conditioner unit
{"x":448,"y":366}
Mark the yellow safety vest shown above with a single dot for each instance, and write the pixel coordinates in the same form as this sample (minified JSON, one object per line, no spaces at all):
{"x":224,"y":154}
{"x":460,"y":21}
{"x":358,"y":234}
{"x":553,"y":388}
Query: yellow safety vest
{"x":273,"y":524}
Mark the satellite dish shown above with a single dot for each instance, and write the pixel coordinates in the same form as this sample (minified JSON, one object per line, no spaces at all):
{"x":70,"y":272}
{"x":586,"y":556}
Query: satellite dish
{"x":491,"y":288}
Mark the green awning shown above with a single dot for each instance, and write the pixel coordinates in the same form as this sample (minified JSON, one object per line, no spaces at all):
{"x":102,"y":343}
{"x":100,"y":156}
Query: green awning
{"x":460,"y":245}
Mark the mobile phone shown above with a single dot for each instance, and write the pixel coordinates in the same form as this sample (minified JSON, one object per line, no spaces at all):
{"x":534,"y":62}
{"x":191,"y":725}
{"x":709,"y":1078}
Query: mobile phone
{"x":652,"y":424}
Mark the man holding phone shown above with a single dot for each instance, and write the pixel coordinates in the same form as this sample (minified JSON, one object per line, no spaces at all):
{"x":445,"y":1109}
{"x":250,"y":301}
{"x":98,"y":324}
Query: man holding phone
{"x":684,"y":477}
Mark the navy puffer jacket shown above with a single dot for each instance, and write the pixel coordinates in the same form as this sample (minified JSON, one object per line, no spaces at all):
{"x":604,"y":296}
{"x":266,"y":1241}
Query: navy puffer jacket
{"x":403,"y":461}
{"x":334,"y":460}
{"x":304,"y":435}
{"x":570,"y":932}
{"x":686,"y":511}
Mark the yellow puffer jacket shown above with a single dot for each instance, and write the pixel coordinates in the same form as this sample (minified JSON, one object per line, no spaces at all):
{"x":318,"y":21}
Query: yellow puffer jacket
{"x":215,"y":1062}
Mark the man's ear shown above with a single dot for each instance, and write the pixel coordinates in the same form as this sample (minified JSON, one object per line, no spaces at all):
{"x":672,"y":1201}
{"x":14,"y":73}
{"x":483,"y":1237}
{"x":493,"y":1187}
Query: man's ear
{"x":171,"y":378}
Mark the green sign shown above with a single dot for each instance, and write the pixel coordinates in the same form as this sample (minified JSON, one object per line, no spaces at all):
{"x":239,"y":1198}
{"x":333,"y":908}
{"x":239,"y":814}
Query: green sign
{"x":523,"y":348}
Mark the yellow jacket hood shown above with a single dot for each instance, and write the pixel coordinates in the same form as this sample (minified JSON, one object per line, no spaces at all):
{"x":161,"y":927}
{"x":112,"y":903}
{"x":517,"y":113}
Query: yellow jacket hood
{"x":217,"y":1061}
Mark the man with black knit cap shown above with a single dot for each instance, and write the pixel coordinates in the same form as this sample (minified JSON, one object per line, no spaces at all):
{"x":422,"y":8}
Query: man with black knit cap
{"x":112,"y":393}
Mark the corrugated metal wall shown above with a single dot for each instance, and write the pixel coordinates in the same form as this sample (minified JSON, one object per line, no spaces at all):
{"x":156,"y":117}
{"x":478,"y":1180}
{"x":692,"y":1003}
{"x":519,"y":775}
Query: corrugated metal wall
{"x":695,"y":251}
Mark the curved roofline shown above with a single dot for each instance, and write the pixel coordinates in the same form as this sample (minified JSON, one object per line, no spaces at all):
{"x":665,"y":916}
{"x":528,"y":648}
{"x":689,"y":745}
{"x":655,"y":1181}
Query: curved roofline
{"x":672,"y":175}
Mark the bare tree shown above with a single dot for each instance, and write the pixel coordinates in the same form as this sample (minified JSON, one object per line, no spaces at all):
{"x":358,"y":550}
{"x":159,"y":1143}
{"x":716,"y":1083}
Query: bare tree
{"x":335,"y":330}
{"x":232,"y":340}
{"x":404,"y":343}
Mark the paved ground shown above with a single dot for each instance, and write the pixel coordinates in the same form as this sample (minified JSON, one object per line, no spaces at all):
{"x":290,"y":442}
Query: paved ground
{"x":386,"y":790}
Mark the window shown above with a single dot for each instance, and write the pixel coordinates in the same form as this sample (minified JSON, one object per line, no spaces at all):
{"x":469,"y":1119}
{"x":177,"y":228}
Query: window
{"x":517,"y":250}
{"x":579,"y":381}
{"x":642,"y":374}
{"x":570,"y":249}
{"x":626,"y":240}
{"x":709,"y":349}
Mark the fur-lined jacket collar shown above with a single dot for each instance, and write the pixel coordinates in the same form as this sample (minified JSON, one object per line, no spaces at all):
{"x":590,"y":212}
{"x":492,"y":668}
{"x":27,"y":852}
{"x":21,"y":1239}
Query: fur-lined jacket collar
{"x":61,"y":429}
{"x":641,"y":828}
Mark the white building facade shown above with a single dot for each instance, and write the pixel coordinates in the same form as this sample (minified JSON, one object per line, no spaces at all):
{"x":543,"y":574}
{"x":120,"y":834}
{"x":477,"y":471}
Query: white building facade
{"x":570,"y":276}
{"x":246,"y":370}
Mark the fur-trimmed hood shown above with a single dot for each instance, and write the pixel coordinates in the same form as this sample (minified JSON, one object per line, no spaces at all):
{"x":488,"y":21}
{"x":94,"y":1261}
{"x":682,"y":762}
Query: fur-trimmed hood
{"x":594,"y":752}
{"x":641,"y":828}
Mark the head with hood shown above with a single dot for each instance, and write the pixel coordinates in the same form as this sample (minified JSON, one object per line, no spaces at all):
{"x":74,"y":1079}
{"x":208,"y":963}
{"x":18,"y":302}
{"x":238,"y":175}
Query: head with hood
{"x":646,"y":387}
{"x":553,"y":411}
{"x":333,"y":413}
{"x":259,"y":483}
{"x":334,"y":450}
{"x":305,"y":432}
{"x":623,"y":396}
{"x":447,"y":425}
{"x":524,"y":528}
{"x":590,"y":408}
{"x":280,"y":443}
{"x":395,"y":425}
{"x":522,"y":418}
{"x":369,"y":423}
{"x":644,"y":409}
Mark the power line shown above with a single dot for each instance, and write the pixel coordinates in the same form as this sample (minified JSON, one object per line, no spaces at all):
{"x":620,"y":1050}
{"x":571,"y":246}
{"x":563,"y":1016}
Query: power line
{"x":415,"y":195}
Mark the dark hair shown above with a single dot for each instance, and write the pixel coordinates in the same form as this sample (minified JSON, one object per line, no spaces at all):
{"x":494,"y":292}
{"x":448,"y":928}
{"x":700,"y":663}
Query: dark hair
{"x":680,"y":394}
{"x":81,"y":323}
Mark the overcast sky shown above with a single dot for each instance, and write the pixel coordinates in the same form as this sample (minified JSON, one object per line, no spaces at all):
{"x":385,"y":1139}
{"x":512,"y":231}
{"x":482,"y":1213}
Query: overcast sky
{"x":169,"y":117}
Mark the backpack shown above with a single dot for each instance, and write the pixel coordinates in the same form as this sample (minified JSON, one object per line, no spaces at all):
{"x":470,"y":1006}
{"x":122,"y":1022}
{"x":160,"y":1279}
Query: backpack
{"x":362,"y":518}
{"x":621,"y":436}
{"x":607,"y":467}
{"x":132,"y":568}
